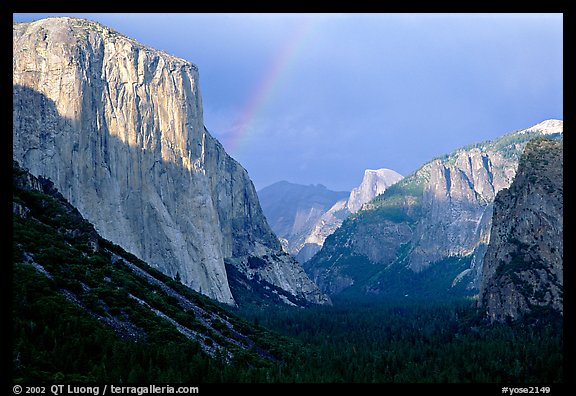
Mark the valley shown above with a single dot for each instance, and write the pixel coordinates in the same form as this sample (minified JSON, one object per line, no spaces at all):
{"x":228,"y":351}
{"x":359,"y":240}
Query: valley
{"x":125,"y":321}
{"x":143,"y":253}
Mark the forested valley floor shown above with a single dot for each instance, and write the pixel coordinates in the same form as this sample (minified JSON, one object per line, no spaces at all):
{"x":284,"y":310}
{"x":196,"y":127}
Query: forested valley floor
{"x":414,"y":342}
{"x":56,"y":341}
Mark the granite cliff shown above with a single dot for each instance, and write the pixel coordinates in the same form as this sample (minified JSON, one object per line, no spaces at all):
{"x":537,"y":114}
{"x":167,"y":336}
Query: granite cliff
{"x":303,"y":216}
{"x":426,"y":235}
{"x":523,"y":265}
{"x":293,"y":210}
{"x":118,"y":127}
{"x":374,"y":183}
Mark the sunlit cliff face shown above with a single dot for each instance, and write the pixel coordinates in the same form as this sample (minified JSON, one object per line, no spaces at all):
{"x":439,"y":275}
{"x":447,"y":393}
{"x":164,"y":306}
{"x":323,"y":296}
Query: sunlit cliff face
{"x":119,"y":129}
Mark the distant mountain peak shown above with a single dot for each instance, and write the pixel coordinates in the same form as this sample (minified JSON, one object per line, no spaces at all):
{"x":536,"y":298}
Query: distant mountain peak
{"x":427,"y":235}
{"x":303,"y":216}
{"x":374,"y":183}
{"x":381,"y":171}
{"x":547,"y":127}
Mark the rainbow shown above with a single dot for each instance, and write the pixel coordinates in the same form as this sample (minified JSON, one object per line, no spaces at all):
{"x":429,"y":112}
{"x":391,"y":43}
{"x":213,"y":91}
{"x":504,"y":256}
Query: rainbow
{"x":263,"y":92}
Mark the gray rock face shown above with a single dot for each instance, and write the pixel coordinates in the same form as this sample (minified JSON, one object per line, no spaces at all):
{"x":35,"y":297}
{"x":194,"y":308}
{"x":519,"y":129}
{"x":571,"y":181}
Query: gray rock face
{"x":304,"y":216}
{"x":374,"y":183}
{"x":456,"y":197}
{"x":442,"y":211}
{"x":293,"y":210}
{"x":523,"y":265}
{"x":325,"y":226}
{"x":119,"y":129}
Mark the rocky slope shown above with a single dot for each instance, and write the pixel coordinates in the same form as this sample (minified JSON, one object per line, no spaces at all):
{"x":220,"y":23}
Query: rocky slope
{"x":119,"y":129}
{"x":325,"y":226}
{"x":303,"y":216}
{"x":374,"y":183}
{"x":67,"y":278}
{"x":523,"y":265}
{"x":426,"y":234}
{"x":292,"y":210}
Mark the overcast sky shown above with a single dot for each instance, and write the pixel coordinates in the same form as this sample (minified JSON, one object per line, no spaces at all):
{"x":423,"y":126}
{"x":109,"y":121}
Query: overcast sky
{"x":318,"y":98}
